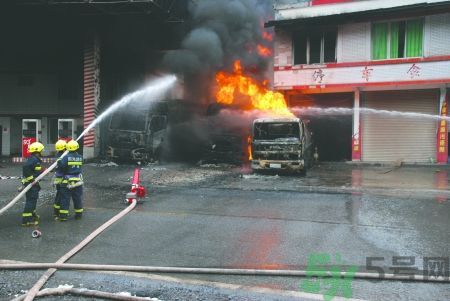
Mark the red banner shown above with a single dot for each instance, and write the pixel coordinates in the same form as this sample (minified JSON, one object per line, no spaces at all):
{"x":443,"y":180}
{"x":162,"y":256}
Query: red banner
{"x":442,"y":139}
{"x":25,"y":143}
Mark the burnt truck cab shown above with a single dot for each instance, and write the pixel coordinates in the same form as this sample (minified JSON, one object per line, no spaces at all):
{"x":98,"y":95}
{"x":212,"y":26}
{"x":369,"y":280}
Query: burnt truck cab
{"x":137,"y":134}
{"x":281,"y":144}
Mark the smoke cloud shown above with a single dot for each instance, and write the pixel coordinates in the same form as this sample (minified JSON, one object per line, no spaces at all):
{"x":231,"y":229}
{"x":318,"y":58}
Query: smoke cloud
{"x":222,"y":31}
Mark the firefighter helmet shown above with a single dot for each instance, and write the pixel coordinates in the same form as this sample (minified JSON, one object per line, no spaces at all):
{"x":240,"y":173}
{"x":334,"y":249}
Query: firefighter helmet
{"x":60,"y":145}
{"x":72,"y":145}
{"x":35,"y":147}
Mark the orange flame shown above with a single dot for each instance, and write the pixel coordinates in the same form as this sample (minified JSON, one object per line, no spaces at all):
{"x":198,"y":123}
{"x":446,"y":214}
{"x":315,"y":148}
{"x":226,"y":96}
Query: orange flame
{"x":249,"y":148}
{"x":263,"y":51}
{"x":239,"y":89}
{"x":267,"y":36}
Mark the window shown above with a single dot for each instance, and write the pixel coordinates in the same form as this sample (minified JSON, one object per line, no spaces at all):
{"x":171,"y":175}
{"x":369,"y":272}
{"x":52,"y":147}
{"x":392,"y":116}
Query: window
{"x":129,"y":120}
{"x":398,"y":39}
{"x":316,"y":47}
{"x":271,"y":131}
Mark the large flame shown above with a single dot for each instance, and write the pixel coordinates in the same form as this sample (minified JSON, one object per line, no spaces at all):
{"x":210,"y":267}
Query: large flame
{"x":238,"y":89}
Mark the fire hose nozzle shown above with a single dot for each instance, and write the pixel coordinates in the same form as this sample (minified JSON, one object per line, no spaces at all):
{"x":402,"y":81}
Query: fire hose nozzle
{"x":137,"y":190}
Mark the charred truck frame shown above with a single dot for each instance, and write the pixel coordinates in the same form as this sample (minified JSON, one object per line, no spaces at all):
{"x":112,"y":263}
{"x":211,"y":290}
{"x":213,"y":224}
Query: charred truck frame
{"x":281,"y":144}
{"x":138,"y":133}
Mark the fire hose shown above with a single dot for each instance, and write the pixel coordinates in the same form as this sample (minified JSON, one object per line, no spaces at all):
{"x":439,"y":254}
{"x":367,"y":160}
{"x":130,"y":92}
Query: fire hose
{"x":41,"y":282}
{"x":221,"y":271}
{"x":137,"y":191}
{"x":83,"y":292}
{"x":28,"y":187}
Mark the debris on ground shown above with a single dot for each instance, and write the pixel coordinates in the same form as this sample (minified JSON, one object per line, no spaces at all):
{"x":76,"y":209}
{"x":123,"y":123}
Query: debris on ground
{"x":262,"y":177}
{"x":107,"y":164}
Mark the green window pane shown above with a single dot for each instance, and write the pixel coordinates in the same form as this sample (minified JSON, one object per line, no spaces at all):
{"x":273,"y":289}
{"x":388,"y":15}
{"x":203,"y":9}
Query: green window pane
{"x":414,"y":38}
{"x":379,"y":41}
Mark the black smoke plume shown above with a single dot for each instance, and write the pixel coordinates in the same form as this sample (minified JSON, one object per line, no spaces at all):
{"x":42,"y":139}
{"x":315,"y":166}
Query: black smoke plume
{"x":222,"y":31}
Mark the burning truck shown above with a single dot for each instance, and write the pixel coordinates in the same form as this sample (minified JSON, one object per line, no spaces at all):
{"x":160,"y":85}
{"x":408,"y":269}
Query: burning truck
{"x":279,"y":140}
{"x":281,"y":144}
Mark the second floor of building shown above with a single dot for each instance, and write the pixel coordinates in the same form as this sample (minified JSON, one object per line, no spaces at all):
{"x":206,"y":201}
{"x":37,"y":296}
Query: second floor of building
{"x":383,"y":48}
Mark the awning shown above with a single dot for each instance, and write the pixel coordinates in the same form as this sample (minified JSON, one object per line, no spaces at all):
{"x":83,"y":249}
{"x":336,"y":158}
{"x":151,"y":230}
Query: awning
{"x":355,"y":11}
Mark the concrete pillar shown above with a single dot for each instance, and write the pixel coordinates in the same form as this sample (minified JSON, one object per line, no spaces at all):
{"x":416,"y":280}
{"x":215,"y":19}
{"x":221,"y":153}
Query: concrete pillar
{"x":356,"y":138}
{"x":5,"y":147}
{"x":442,"y":136}
{"x":91,"y":95}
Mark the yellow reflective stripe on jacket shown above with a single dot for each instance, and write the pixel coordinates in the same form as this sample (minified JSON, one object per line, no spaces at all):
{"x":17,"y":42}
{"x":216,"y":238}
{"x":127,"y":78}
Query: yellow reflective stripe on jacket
{"x":74,"y":163}
{"x":27,"y":179}
{"x":37,"y":168}
{"x":64,"y":211}
{"x":74,"y":179}
{"x":58,"y":181}
{"x":78,"y":210}
{"x":56,"y":206}
{"x":27,"y":214}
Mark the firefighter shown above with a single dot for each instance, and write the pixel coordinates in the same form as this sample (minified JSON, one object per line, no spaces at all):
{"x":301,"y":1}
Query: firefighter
{"x":60,"y":147}
{"x":72,"y":183}
{"x":32,"y":169}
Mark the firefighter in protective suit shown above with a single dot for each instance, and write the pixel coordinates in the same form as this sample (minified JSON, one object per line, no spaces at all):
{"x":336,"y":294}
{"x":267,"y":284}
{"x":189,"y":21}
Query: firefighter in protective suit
{"x":72,"y":183}
{"x":30,"y":171}
{"x":60,"y":147}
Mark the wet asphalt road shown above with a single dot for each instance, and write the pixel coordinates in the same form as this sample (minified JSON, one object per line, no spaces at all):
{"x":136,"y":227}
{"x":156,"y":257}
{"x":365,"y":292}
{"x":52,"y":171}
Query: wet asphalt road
{"x":214,"y":217}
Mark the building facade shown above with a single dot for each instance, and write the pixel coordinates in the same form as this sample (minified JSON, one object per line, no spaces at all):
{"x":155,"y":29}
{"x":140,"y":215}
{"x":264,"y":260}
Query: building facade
{"x":62,"y":63}
{"x":371,"y":57}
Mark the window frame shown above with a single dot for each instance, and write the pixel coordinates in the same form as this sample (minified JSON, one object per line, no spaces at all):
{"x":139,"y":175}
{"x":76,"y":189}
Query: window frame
{"x":389,"y":38}
{"x":322,"y":32}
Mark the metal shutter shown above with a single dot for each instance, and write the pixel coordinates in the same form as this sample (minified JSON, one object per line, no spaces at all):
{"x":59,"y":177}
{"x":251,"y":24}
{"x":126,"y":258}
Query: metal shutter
{"x":437,"y":31}
{"x":388,"y":139}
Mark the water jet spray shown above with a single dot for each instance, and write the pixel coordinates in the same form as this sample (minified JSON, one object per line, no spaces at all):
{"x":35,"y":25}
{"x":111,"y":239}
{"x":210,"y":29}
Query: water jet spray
{"x":154,"y":90}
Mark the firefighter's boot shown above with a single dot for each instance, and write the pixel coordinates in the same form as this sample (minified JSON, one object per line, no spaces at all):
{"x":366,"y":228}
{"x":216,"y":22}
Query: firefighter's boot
{"x":62,"y":216}
{"x":30,"y":219}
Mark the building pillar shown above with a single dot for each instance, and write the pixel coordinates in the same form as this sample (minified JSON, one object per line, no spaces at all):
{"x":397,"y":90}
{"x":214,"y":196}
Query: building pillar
{"x":91,"y":94}
{"x":356,"y":138}
{"x":5,"y":145}
{"x":442,"y":132}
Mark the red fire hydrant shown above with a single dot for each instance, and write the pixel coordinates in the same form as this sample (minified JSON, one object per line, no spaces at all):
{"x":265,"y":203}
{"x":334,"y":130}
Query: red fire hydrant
{"x":137,"y":190}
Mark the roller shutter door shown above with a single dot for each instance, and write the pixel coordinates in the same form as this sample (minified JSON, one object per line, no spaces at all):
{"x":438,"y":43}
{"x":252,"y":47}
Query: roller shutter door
{"x":388,"y":138}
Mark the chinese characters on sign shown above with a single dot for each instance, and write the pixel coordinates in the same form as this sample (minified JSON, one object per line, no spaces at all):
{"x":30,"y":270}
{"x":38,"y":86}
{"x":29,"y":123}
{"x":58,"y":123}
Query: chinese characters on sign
{"x":367,"y":73}
{"x":318,"y":76}
{"x":25,"y":143}
{"x":414,"y":71}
